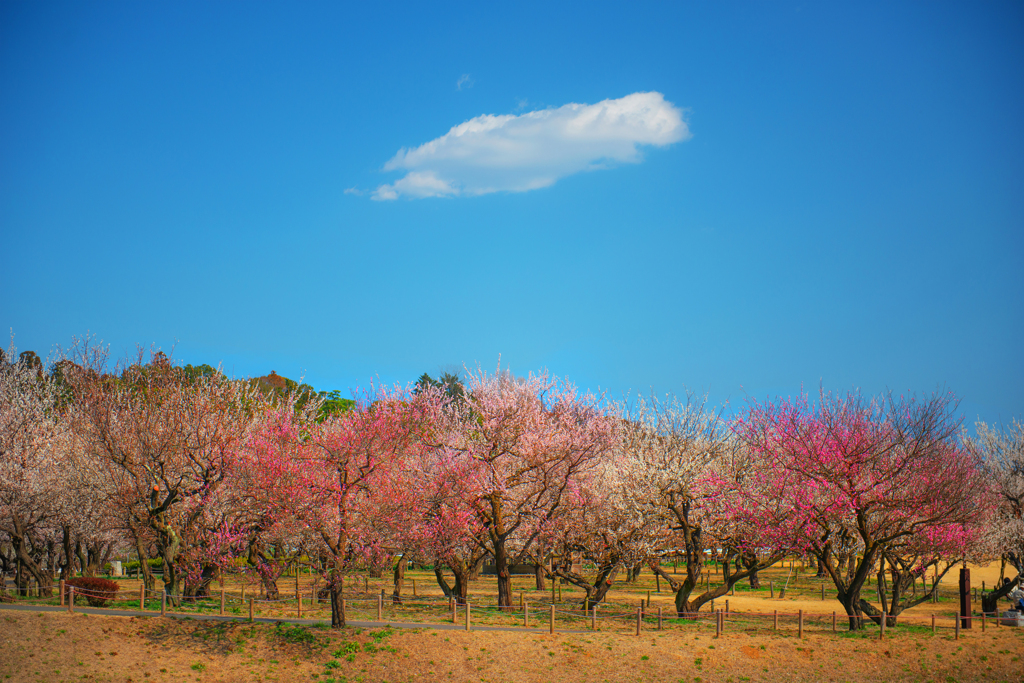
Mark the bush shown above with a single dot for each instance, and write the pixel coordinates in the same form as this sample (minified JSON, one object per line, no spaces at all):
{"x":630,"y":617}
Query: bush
{"x":133,"y":566}
{"x":98,"y":592}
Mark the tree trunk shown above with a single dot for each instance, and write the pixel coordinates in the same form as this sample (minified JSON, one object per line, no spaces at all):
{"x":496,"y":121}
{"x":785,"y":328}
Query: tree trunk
{"x":687,"y":607}
{"x":268,"y":577}
{"x":602,"y":583}
{"x":147,"y":571}
{"x":337,"y":615}
{"x":594,"y":593}
{"x":539,"y":573}
{"x":80,"y":553}
{"x":460,"y":592}
{"x":853,"y":614}
{"x":475,"y":569}
{"x":201,"y":588}
{"x":67,"y":570}
{"x":755,"y":580}
{"x":27,"y":564}
{"x":396,"y":596}
{"x":504,"y":576}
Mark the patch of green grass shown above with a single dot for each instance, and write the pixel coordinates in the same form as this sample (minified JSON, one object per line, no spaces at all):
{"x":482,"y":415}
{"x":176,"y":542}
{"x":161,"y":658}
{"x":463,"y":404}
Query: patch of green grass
{"x":347,"y":650}
{"x":299,"y":635}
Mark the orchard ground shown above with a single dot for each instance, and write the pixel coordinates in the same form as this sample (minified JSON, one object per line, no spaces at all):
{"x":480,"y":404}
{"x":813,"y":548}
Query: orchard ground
{"x":60,"y":647}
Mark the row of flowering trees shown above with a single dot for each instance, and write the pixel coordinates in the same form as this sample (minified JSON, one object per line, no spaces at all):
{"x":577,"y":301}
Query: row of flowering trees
{"x":202,"y":471}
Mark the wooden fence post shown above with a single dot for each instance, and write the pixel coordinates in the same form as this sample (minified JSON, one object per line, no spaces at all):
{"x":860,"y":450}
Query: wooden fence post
{"x":726,"y":613}
{"x":648,"y":598}
{"x":71,"y":600}
{"x":775,"y":620}
{"x":526,"y":615}
{"x":298,"y":603}
{"x":366,"y":584}
{"x":455,"y":612}
{"x":956,"y":627}
{"x":468,"y":609}
{"x":62,"y":592}
{"x":163,"y":603}
{"x":639,"y":613}
{"x":242,"y":599}
{"x":659,"y":618}
{"x":252,"y":610}
{"x":771,"y":588}
{"x":551,"y":627}
{"x":521,"y":600}
{"x":380,"y":607}
{"x":823,"y":592}
{"x":833,"y":621}
{"x":414,"y":588}
{"x":983,"y":621}
{"x":800,"y":626}
{"x":221,"y":602}
{"x":933,"y":624}
{"x":881,"y":632}
{"x":718,"y":624}
{"x":593,"y":618}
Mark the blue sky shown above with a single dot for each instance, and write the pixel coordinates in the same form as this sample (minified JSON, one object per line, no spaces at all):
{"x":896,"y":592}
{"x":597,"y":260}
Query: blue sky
{"x":844,"y":203}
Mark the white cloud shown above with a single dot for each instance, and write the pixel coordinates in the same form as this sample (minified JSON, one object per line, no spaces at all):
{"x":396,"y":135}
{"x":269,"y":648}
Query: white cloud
{"x":464,"y":82}
{"x":533,"y":150}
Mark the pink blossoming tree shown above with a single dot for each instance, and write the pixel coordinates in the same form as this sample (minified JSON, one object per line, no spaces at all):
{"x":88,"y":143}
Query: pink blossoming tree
{"x":865,"y":484}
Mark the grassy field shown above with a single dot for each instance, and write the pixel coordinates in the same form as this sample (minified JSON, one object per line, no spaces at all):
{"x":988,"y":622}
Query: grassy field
{"x":55,"y":647}
{"x":60,"y":647}
{"x":803,"y":592}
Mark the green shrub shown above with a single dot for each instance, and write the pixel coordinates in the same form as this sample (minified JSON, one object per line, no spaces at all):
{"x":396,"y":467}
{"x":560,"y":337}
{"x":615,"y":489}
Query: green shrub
{"x":133,"y":566}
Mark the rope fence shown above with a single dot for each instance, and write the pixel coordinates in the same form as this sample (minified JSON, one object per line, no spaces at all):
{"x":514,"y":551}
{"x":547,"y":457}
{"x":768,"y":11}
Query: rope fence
{"x":534,"y":614}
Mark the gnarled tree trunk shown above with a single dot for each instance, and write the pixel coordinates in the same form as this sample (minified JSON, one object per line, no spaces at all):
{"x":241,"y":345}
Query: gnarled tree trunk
{"x":399,"y":575}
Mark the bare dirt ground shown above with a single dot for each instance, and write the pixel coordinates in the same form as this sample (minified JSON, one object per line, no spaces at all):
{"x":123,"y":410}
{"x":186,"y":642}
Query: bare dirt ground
{"x":61,"y":647}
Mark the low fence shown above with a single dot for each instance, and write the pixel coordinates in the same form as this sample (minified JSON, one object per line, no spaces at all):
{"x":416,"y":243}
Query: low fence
{"x":530,"y":615}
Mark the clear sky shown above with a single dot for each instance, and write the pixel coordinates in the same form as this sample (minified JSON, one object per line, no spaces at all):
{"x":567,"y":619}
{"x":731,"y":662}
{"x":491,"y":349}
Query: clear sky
{"x":735,"y":198}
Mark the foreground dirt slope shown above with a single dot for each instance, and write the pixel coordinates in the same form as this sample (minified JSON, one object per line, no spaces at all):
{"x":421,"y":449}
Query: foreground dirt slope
{"x":59,"y":647}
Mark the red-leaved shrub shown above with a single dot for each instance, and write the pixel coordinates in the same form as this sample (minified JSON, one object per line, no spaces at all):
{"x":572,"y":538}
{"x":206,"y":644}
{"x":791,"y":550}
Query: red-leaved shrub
{"x":97,"y":592}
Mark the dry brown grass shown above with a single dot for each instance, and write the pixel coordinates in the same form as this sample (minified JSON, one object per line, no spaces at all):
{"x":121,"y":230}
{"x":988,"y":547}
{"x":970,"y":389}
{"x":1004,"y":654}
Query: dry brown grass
{"x":60,"y":647}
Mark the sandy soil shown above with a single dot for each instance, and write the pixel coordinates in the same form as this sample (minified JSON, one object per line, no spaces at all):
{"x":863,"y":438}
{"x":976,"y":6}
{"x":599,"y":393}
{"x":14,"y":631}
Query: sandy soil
{"x":60,"y":647}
